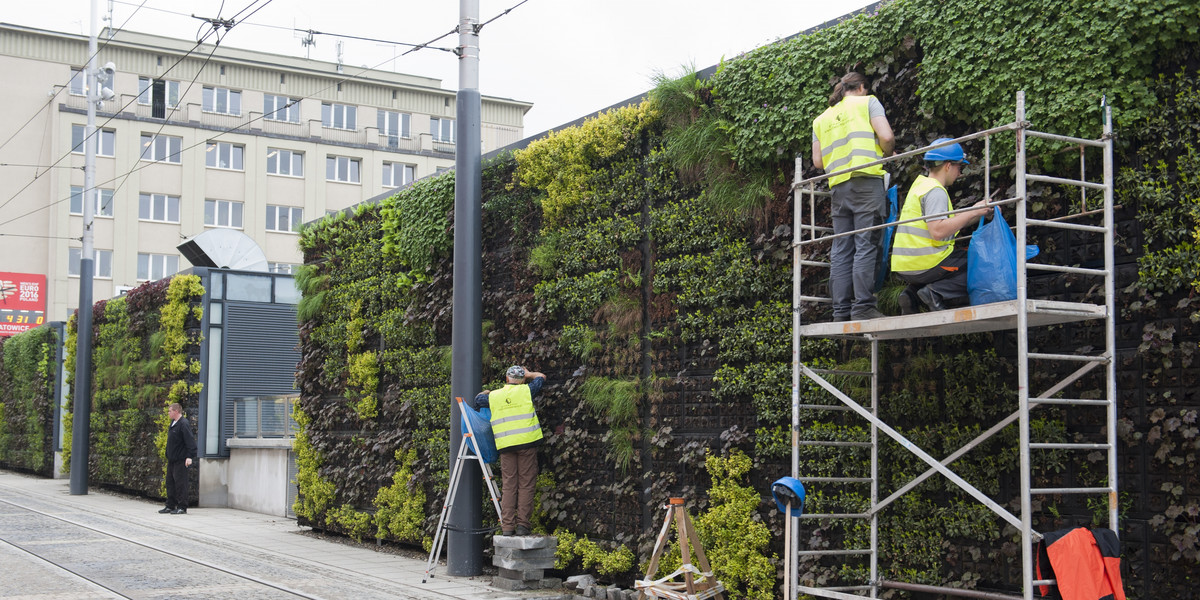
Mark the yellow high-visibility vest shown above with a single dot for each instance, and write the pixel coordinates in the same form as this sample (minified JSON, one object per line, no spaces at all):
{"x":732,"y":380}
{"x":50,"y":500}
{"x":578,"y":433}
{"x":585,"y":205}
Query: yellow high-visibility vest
{"x":847,"y":138}
{"x":514,"y":421}
{"x":914,"y":248}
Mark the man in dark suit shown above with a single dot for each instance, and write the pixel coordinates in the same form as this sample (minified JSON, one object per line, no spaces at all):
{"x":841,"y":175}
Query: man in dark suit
{"x":181,"y":448}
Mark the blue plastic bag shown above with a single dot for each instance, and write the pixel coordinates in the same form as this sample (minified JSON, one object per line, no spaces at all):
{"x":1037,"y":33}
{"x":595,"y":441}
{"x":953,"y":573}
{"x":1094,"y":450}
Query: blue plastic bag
{"x":885,"y":245}
{"x":481,"y":423}
{"x":992,"y":261}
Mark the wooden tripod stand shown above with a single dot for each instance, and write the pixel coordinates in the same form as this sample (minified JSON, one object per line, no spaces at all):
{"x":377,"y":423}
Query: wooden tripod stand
{"x":690,"y":588}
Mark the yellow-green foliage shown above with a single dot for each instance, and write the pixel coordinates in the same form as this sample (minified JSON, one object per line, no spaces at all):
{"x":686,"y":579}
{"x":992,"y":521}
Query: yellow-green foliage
{"x":175,"y":313}
{"x":356,"y":523}
{"x":734,"y":540}
{"x":68,"y":421}
{"x":401,"y":506}
{"x":606,"y":562}
{"x":363,"y":384}
{"x":565,"y":163}
{"x":316,"y":493}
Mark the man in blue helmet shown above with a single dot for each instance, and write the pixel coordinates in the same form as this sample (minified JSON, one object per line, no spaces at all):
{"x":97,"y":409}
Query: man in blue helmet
{"x":923,"y":252}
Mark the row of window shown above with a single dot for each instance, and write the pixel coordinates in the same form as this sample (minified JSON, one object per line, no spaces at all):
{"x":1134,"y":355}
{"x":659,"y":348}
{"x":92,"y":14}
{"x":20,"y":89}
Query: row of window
{"x":164,"y":94}
{"x":164,"y":208}
{"x":226,"y":155}
{"x":150,"y":267}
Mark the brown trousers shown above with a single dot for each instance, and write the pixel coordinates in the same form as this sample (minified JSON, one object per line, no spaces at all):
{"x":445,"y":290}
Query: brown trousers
{"x":518,"y":472}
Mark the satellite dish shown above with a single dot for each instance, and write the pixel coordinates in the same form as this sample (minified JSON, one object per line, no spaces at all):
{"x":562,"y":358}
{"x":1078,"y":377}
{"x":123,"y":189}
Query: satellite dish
{"x":224,"y":249}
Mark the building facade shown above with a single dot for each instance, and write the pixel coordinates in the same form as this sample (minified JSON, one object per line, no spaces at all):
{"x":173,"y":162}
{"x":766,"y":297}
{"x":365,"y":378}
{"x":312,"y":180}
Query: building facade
{"x":248,"y":140}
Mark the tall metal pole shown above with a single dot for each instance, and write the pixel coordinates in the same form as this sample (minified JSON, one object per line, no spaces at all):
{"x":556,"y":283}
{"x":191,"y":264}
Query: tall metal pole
{"x":82,"y":390}
{"x":464,"y":550}
{"x":1023,"y":363}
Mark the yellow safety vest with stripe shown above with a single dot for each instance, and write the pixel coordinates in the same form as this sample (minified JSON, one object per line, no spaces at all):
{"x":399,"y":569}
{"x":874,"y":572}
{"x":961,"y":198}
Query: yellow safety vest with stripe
{"x":913,"y":247}
{"x":514,"y":421}
{"x":847,"y":138}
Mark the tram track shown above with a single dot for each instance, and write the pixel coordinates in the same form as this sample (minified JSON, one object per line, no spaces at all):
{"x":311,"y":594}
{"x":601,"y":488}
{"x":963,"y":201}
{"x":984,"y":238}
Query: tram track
{"x":178,"y":573}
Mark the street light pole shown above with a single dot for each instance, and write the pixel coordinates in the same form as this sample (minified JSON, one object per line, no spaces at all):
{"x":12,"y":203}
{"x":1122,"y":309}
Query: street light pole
{"x":82,"y":390}
{"x":464,"y":551}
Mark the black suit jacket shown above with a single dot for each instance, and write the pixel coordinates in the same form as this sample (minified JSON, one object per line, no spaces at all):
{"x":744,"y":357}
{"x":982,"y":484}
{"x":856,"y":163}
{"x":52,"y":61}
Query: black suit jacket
{"x":181,"y":445}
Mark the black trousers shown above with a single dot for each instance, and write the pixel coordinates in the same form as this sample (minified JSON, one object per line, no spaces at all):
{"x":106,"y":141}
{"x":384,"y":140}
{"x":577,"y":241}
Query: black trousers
{"x":177,"y":484}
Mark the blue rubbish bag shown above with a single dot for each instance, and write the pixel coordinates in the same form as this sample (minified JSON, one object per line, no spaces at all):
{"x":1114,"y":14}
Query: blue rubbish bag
{"x":992,"y":261}
{"x":481,"y":423}
{"x":885,"y":244}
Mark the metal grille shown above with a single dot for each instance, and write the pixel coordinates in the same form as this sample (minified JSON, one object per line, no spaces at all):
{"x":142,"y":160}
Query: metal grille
{"x":260,"y":358}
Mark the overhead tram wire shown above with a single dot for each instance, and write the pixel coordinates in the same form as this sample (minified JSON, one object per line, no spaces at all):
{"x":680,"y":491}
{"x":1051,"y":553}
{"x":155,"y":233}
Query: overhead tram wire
{"x":244,"y":124}
{"x":99,"y":128}
{"x":127,"y":104}
{"x":78,"y":73}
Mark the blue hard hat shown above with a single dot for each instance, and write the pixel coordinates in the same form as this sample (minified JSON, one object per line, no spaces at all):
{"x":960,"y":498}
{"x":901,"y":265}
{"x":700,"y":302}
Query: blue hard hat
{"x":952,"y":153}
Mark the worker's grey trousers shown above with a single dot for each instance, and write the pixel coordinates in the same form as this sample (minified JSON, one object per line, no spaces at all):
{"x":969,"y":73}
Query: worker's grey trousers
{"x":858,"y":202}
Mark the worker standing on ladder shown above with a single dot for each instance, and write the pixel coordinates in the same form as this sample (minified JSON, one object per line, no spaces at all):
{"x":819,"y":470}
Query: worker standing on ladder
{"x":854,"y":131}
{"x":518,"y":434}
{"x":923,"y":252}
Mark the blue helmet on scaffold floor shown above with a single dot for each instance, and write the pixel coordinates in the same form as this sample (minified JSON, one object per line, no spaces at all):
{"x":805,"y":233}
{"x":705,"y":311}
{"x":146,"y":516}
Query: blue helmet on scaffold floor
{"x":951,"y":153}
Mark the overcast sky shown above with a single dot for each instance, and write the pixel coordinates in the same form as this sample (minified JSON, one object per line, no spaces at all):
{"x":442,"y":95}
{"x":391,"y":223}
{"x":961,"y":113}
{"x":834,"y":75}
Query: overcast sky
{"x":568,"y":57}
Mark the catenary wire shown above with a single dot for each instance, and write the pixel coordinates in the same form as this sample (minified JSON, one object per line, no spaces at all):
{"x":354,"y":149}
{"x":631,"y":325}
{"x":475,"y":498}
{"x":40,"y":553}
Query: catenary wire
{"x":260,"y":117}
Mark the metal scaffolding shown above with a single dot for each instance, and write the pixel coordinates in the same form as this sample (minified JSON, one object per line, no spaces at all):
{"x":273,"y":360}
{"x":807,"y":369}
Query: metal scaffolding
{"x":1021,"y":314}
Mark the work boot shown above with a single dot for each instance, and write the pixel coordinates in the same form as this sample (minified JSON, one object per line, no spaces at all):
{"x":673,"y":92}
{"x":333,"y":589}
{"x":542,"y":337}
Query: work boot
{"x":868,"y":313}
{"x":522,"y":530}
{"x":908,"y":301}
{"x":506,"y":533}
{"x":931,"y":299}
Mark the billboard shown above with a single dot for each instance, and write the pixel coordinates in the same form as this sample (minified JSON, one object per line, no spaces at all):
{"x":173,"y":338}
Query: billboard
{"x":22,"y":302}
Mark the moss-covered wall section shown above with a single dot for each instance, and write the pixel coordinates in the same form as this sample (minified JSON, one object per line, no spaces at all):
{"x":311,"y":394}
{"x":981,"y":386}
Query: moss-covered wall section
{"x":27,"y":372}
{"x":145,"y":356}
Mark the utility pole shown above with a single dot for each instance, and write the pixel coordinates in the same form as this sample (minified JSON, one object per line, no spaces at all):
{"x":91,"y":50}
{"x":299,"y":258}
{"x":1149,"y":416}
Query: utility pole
{"x":464,"y":551}
{"x":82,"y":390}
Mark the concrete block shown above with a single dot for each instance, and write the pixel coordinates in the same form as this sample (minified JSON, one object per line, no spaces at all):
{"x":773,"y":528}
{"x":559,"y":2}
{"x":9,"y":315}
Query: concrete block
{"x":549,"y":583}
{"x":509,"y":584}
{"x":614,"y":593}
{"x":524,"y":542}
{"x":515,"y":553}
{"x":580,"y":582}
{"x":589,"y":591}
{"x":523,"y":564}
{"x":631,"y":594}
{"x":527,"y":575}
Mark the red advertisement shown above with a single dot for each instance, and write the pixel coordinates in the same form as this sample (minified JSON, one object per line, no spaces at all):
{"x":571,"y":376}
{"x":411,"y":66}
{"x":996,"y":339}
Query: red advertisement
{"x":22,"y":302}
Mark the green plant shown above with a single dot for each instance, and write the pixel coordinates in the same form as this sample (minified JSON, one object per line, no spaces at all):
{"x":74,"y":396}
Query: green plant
{"x":591,"y":555}
{"x":401,"y":506}
{"x":616,"y":402}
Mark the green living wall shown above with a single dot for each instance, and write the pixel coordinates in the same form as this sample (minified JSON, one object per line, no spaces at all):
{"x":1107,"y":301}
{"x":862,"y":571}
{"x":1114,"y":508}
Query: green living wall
{"x":642,"y":261}
{"x":145,"y":355}
{"x":27,"y":372}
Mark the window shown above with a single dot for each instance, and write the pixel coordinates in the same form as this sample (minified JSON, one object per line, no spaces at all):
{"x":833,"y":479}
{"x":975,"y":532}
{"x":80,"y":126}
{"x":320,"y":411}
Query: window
{"x":341,"y":116}
{"x":285,"y":162}
{"x":152,"y":267}
{"x":104,"y":202}
{"x":158,"y":207}
{"x":286,"y":268}
{"x":159,"y":94}
{"x":78,"y":84}
{"x":442,"y":130}
{"x":223,"y":155}
{"x":101,"y":265}
{"x":107,"y":137}
{"x":221,"y":100}
{"x":161,"y":148}
{"x":281,"y":108}
{"x":394,"y":125}
{"x":341,"y":168}
{"x":284,"y":218}
{"x":223,"y":213}
{"x":398,"y":174}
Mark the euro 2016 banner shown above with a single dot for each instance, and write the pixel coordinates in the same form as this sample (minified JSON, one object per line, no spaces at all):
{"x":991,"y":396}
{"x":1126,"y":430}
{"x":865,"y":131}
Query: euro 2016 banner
{"x":22,"y":302}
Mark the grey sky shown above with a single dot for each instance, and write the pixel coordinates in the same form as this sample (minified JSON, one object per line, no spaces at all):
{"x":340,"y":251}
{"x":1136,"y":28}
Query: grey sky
{"x":568,"y":57}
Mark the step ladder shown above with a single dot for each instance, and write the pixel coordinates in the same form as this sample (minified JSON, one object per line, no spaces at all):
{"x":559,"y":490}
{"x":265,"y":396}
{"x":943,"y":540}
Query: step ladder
{"x":468,"y":450}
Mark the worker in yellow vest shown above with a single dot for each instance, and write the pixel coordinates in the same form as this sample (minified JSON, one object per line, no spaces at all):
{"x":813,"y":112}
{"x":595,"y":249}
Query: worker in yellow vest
{"x":923,"y":252}
{"x":854,"y":131}
{"x":518,"y":434}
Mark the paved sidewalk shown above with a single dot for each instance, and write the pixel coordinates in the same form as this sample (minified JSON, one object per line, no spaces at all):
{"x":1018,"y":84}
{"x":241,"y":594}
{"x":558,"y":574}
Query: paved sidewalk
{"x":253,"y":538}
